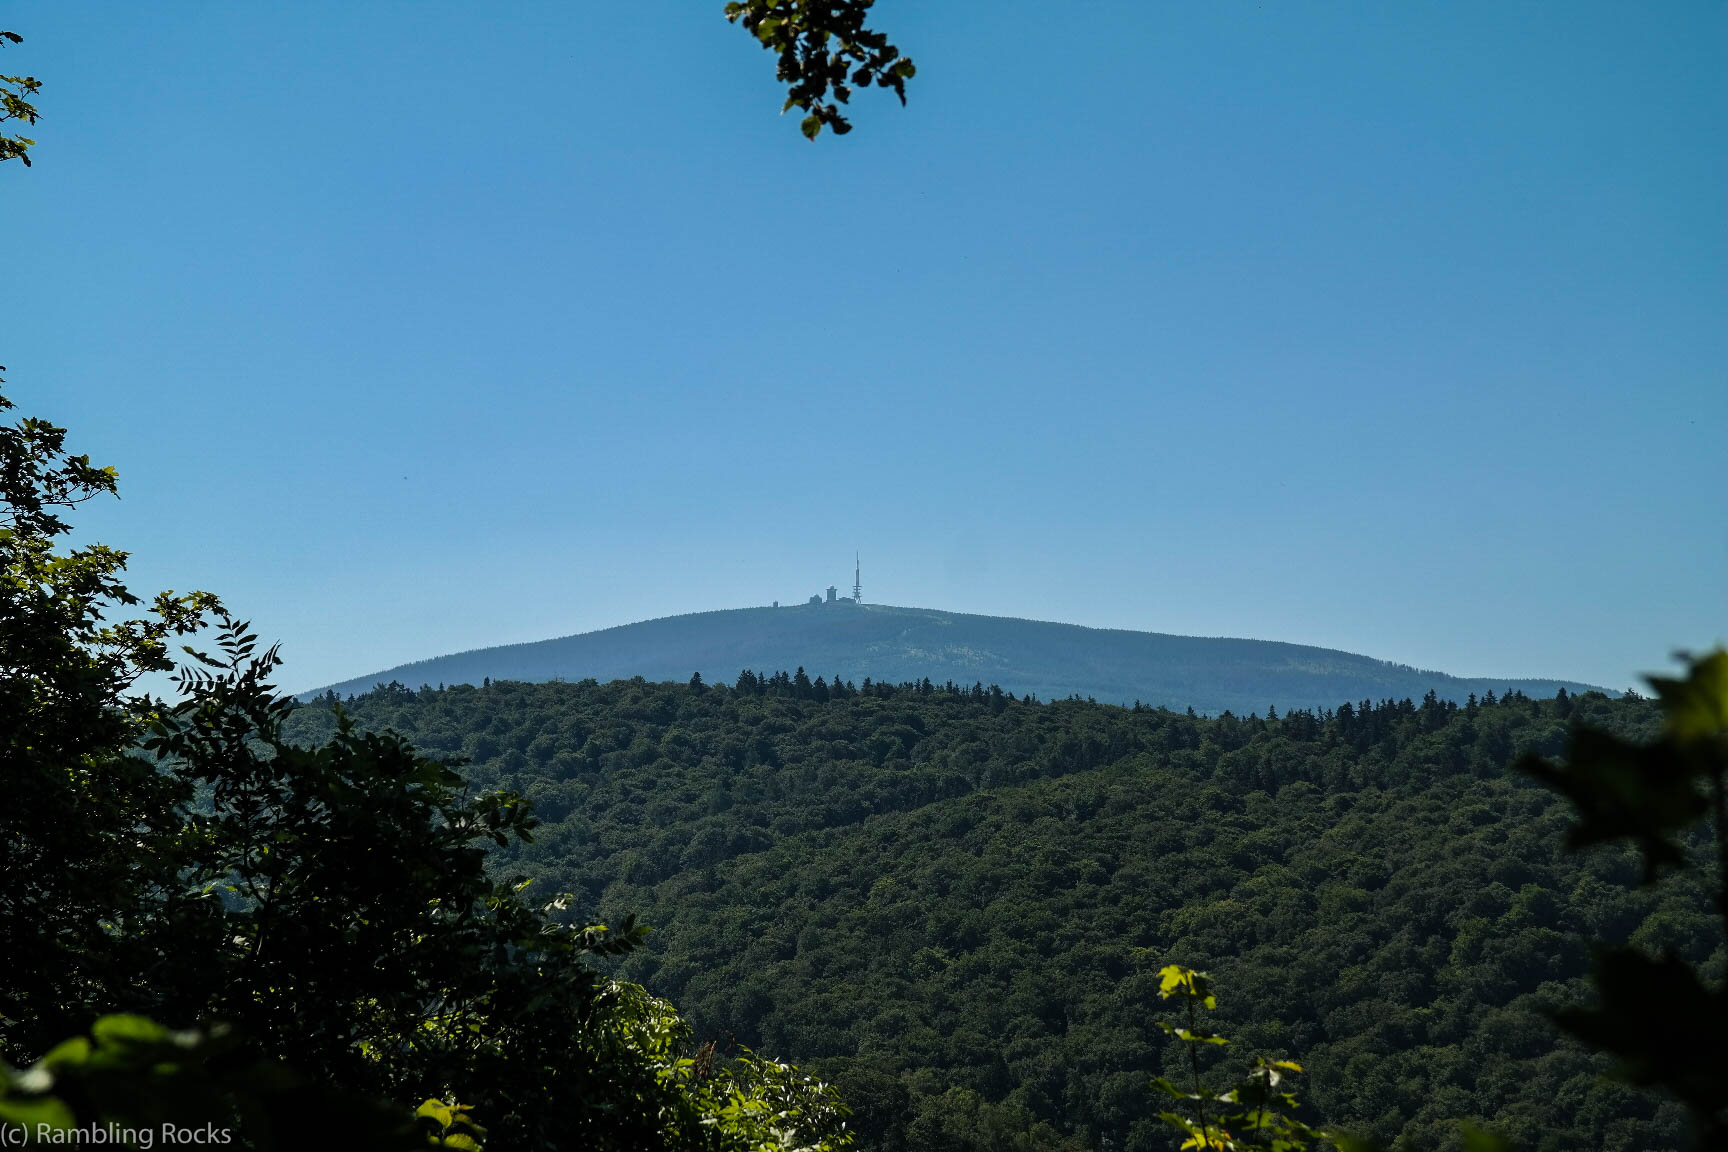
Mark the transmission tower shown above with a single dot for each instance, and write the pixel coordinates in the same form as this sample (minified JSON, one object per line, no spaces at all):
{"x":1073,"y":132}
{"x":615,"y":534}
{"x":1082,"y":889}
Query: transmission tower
{"x":857,"y":586}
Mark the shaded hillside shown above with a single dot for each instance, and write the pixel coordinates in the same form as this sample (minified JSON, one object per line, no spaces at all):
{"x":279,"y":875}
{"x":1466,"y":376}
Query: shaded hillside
{"x":878,"y":642}
{"x":955,"y":903}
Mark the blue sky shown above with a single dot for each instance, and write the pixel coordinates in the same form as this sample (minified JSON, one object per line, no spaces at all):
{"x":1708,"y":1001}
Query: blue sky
{"x":418,"y":327}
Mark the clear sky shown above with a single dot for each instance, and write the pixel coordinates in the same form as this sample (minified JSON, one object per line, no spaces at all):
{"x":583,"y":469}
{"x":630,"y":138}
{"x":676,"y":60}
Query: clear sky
{"x":415,"y":327}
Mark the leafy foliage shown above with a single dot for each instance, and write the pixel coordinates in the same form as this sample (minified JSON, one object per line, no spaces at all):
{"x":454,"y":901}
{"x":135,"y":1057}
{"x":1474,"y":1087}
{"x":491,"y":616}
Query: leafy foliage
{"x":1661,"y":1016}
{"x":747,"y":1101}
{"x":824,"y":50}
{"x":131,"y":1075}
{"x":78,"y":802}
{"x":1260,"y":1107}
{"x":351,"y":877}
{"x":338,"y":913}
{"x":15,"y":94}
{"x":450,"y":1126}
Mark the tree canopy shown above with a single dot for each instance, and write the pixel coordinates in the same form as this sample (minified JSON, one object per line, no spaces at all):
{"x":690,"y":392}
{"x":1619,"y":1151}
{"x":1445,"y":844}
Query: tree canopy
{"x":955,"y":903}
{"x":823,"y":50}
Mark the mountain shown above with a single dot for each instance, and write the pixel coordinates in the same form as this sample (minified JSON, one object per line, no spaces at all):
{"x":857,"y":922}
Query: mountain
{"x":885,"y":643}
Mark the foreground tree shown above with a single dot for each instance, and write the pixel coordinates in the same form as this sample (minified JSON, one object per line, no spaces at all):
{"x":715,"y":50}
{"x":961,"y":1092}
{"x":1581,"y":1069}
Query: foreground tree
{"x":85,"y":831}
{"x":319,"y":920}
{"x":336,"y":909}
{"x":1662,"y":1017}
{"x":1258,"y":1111}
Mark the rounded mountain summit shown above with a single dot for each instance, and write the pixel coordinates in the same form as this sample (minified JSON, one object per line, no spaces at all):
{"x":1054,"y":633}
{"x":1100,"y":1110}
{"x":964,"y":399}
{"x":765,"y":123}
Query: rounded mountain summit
{"x":877,"y":641}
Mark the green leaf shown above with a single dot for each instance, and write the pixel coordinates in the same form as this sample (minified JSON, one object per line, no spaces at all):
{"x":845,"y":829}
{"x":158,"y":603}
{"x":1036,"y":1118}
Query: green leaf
{"x":1696,"y":707}
{"x":1173,"y":978}
{"x":1346,"y":1142}
{"x":71,"y":1053}
{"x":436,"y":1111}
{"x":1182,"y":1123}
{"x":1663,"y":1024}
{"x":1481,"y":1140}
{"x":1645,"y":793}
{"x":1199,"y":1037}
{"x":30,"y":1113}
{"x":1169,"y":1088}
{"x":123,"y":1028}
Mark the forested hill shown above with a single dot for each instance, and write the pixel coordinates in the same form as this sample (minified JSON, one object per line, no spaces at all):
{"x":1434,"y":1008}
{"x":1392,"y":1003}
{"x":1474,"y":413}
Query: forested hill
{"x":954,"y":903}
{"x":881,"y":643}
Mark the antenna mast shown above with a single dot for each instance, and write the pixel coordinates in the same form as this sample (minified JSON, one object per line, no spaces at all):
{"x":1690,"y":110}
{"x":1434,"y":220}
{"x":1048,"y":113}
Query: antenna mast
{"x":857,"y":587}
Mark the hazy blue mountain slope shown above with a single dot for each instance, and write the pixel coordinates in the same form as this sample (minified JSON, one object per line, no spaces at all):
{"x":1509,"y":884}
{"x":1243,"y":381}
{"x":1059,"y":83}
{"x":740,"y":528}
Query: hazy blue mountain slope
{"x":880,"y":642}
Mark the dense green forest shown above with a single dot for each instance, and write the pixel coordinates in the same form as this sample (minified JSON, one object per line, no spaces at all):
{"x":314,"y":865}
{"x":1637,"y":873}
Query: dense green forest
{"x":954,"y":902}
{"x":1038,"y":657}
